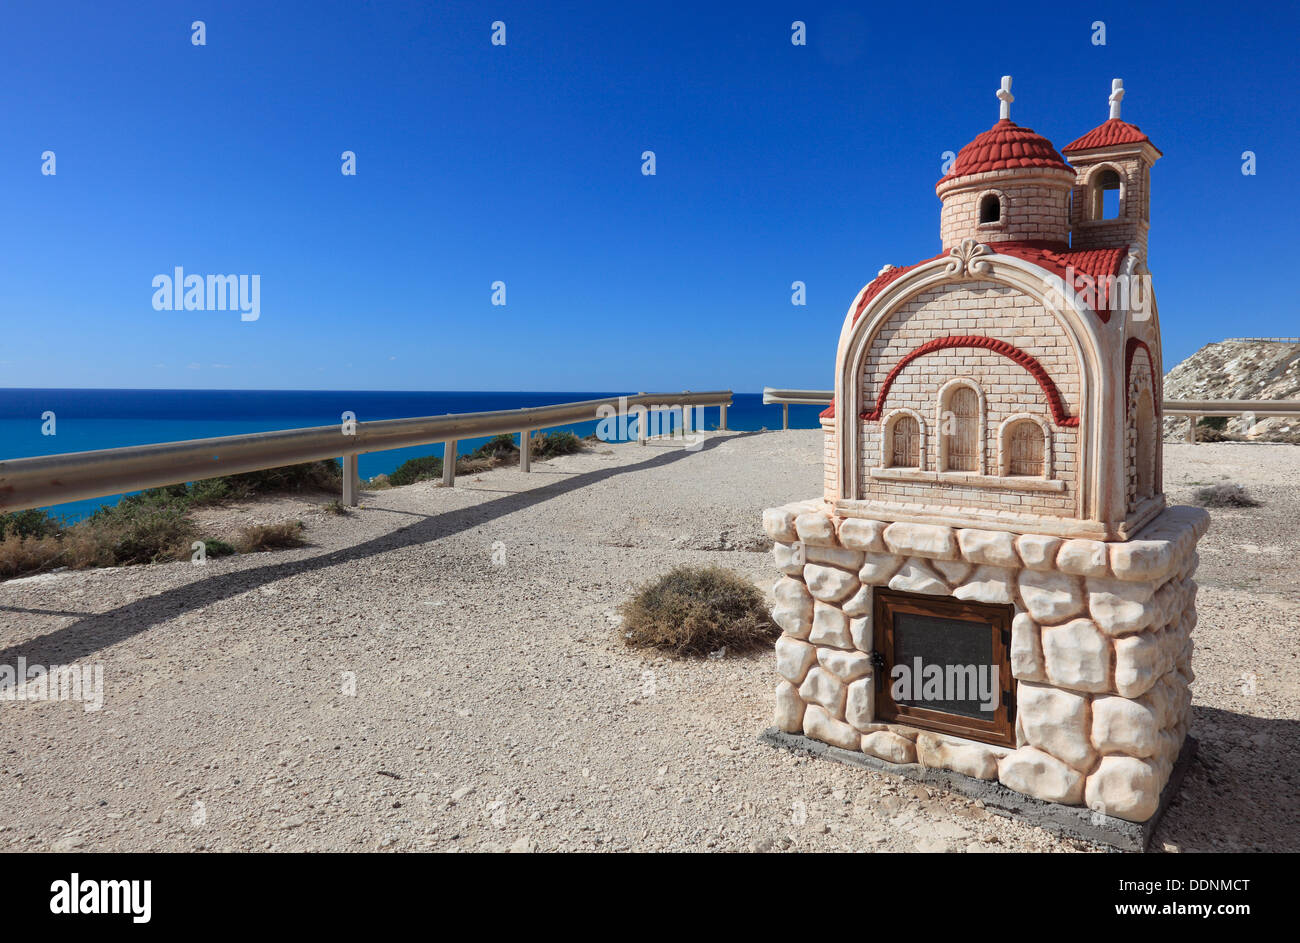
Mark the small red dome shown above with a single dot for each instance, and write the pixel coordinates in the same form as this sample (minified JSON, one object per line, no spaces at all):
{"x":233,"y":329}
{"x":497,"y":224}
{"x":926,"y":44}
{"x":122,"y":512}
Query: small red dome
{"x":1005,"y":146}
{"x":1108,"y":133}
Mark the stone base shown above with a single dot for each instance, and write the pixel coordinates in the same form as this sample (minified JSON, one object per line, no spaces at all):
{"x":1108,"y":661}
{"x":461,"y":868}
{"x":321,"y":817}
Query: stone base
{"x":1100,"y":647}
{"x":1069,"y":821}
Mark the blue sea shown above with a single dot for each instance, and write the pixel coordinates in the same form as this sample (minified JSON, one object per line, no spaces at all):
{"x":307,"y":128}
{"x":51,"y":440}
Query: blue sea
{"x":105,"y":419}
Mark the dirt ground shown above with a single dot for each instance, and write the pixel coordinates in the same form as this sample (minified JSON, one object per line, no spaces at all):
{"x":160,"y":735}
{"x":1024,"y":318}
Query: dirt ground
{"x":441,"y":670}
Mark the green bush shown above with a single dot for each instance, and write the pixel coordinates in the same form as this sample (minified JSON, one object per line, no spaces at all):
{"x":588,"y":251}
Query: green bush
{"x":143,"y":533}
{"x":218,"y":548}
{"x":30,"y":523}
{"x":551,"y":444}
{"x":697,"y":611}
{"x":416,"y":469}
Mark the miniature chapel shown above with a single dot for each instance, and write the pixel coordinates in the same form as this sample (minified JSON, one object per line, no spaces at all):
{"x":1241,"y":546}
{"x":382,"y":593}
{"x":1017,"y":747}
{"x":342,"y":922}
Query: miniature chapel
{"x":993,"y":498}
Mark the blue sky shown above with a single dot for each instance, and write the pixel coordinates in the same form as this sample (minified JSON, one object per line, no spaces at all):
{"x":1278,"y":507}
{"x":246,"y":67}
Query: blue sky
{"x":522,"y":163}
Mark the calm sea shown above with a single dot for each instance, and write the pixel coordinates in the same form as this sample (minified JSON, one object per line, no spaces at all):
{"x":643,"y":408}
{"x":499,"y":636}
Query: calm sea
{"x":105,"y":419}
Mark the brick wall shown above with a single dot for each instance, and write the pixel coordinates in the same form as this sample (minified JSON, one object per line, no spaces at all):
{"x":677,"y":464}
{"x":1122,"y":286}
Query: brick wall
{"x":1130,"y":229}
{"x":1033,"y":209}
{"x":982,"y":309}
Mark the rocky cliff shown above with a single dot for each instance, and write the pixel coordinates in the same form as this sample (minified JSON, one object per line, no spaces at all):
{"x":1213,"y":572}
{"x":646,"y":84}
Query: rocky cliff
{"x":1239,"y":369}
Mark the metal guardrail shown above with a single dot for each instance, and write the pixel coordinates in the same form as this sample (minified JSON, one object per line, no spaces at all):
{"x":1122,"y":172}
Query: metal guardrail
{"x":788,"y":398}
{"x":54,"y":479}
{"x":1193,"y":408}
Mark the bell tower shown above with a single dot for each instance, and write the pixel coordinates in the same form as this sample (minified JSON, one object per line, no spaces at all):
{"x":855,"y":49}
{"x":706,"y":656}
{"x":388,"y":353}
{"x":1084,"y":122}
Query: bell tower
{"x":1110,"y":205}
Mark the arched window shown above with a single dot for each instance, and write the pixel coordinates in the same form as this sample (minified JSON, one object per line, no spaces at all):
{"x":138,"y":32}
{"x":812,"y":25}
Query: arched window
{"x":990,"y":209}
{"x":1145,"y":421}
{"x":1024,"y":446}
{"x":1107,"y":192}
{"x":905,"y":443}
{"x":961,"y":430}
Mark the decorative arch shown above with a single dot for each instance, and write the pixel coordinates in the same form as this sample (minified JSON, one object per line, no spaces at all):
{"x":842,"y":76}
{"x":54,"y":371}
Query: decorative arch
{"x":1005,"y":431}
{"x":1036,"y":370}
{"x":1131,"y":347}
{"x":970,"y":261}
{"x":1093,"y":191}
{"x":887,"y":449}
{"x":942,"y":410}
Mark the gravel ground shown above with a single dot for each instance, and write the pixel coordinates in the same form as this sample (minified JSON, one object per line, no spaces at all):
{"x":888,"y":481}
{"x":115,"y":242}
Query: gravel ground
{"x":495,"y":707}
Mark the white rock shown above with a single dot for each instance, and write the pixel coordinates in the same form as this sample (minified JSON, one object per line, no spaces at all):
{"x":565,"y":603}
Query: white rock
{"x":1051,"y":597}
{"x":1125,"y":787}
{"x":928,"y":540}
{"x":834,"y":556}
{"x":991,"y":547}
{"x":969,"y":759}
{"x":860,"y":705}
{"x":793,"y":611}
{"x":860,"y":534}
{"x":916,"y":577}
{"x":1138,"y":664}
{"x":815,"y":528}
{"x":860,"y":631}
{"x":952,"y":571}
{"x":877,"y":568}
{"x":789,"y":708}
{"x":1077,"y":656}
{"x":847,"y":666}
{"x":988,"y":584}
{"x":1056,"y":721}
{"x":1083,"y":558}
{"x":830,"y":627}
{"x":859,"y":604}
{"x":779,"y":524}
{"x":1120,"y":607}
{"x":794,"y":658}
{"x":1121,"y":725}
{"x":822,"y":687}
{"x":1150,"y":561}
{"x":1038,"y":551}
{"x":789,"y":558}
{"x":889,"y":747}
{"x":1032,"y":772}
{"x":822,"y":726}
{"x":828,"y":583}
{"x":1026,"y":649}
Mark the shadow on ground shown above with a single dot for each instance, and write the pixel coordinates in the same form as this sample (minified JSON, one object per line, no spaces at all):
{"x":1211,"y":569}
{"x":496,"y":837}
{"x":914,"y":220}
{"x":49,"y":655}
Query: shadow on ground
{"x":99,"y":631}
{"x":1242,"y":792}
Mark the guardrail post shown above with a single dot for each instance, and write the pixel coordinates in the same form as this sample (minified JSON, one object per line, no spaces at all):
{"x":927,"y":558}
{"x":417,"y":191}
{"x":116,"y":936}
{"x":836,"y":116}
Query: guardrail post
{"x":449,"y":464}
{"x":722,"y":420}
{"x":686,"y":420}
{"x":351,"y":480}
{"x":525,"y":452}
{"x":1191,"y":429}
{"x":785,"y":415}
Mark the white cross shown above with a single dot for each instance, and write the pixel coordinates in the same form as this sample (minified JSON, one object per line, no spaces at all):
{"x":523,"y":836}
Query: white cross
{"x":1005,"y":96}
{"x":1116,"y":96}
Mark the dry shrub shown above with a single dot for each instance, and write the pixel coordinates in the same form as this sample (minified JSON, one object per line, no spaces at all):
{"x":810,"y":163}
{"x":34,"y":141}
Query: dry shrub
{"x":1225,"y":496}
{"x":271,"y":536}
{"x":697,"y":611}
{"x":22,"y":555}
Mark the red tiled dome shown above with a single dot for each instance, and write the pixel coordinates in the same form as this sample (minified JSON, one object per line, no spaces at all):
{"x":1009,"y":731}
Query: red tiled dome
{"x":1107,"y":134}
{"x":1005,"y":146}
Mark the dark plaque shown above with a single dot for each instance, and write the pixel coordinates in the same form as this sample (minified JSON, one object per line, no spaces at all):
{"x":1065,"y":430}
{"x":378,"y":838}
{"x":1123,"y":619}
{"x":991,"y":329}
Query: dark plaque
{"x":944,"y":653}
{"x":960,"y":645}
